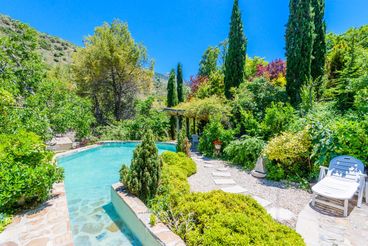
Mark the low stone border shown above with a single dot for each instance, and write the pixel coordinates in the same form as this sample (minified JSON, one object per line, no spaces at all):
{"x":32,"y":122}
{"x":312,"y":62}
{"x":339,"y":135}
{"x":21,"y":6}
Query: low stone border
{"x":137,"y":215}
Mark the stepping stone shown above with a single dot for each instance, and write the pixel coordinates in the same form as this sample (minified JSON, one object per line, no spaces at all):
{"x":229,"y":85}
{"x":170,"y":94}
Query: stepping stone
{"x":235,"y":189}
{"x":221,"y":174}
{"x":262,"y":201}
{"x":209,"y":165}
{"x":281,"y":214}
{"x":222,"y":169}
{"x":224,"y":181}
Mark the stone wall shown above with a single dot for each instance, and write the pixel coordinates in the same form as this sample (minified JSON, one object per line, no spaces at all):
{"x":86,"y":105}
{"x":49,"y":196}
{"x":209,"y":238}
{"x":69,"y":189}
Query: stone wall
{"x":137,"y":216}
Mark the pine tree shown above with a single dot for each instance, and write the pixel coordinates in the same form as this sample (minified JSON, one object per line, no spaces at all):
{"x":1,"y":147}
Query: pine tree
{"x":319,"y":45}
{"x":299,"y":46}
{"x":143,"y":176}
{"x":172,"y":98}
{"x":179,"y":83}
{"x":236,"y":53}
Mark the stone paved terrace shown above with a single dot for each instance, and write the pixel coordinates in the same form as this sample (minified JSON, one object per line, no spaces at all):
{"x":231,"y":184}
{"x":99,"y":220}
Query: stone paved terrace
{"x":290,"y":206}
{"x":46,"y":225}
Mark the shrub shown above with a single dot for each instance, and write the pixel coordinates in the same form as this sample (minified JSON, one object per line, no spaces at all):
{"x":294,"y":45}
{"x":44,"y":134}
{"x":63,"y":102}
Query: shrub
{"x":183,"y":144}
{"x":277,"y":118}
{"x":213,"y":218}
{"x":143,"y":176}
{"x":244,"y":152}
{"x":214,"y":131}
{"x":26,"y":171}
{"x":219,"y":218}
{"x":176,"y":168}
{"x":291,"y":152}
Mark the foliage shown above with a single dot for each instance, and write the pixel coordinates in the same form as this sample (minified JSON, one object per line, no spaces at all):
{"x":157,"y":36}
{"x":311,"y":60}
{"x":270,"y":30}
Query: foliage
{"x":214,"y":85}
{"x":208,"y":63}
{"x":214,"y":131}
{"x":236,"y":52}
{"x":277,"y":118}
{"x":219,"y":218}
{"x":251,"y":66}
{"x":179,"y":83}
{"x":143,"y":176}
{"x":275,"y":71}
{"x":146,"y":117}
{"x":245,"y":151}
{"x":26,"y":171}
{"x":291,"y":152}
{"x":110,"y":70}
{"x":195,"y":83}
{"x":299,"y":47}
{"x":183,"y":144}
{"x":175,"y":170}
{"x":256,"y":96}
{"x":5,"y":219}
{"x":203,"y":109}
{"x":172,"y":96}
{"x":319,"y":44}
{"x":213,"y":218}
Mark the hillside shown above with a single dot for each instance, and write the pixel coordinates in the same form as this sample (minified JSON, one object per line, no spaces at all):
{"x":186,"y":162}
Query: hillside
{"x":54,"y":50}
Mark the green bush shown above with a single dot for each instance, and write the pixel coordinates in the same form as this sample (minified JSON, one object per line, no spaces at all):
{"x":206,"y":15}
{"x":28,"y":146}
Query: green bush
{"x":277,"y":118}
{"x":26,"y":171}
{"x":291,"y":152}
{"x":219,"y":218}
{"x":143,"y":176}
{"x":245,"y":151}
{"x":213,"y":218}
{"x":214,"y":131}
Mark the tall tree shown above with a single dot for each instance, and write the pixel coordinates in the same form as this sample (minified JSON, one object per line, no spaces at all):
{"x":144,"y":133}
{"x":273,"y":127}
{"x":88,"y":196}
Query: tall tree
{"x":111,"y":70}
{"x":236,"y":53}
{"x":208,"y":63}
{"x":179,"y":83}
{"x":299,"y":46}
{"x":172,"y":98}
{"x":319,"y":45}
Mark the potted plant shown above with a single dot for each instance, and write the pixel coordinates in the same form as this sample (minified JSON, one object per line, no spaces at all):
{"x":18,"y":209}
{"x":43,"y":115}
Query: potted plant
{"x":217,"y":143}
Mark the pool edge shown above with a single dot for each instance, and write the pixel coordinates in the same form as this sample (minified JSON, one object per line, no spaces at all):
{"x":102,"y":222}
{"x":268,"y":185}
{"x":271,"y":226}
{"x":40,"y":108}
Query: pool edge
{"x":137,"y":216}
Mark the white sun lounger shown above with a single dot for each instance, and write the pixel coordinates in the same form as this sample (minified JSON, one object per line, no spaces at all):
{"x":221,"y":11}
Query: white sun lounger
{"x":345,"y":177}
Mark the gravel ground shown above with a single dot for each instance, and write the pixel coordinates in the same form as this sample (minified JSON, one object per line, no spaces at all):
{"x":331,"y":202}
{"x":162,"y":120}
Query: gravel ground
{"x":278,"y":193}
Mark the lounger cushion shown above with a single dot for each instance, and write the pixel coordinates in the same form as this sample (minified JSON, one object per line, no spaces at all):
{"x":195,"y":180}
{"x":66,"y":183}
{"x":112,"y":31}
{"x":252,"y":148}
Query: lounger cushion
{"x":336,"y":188}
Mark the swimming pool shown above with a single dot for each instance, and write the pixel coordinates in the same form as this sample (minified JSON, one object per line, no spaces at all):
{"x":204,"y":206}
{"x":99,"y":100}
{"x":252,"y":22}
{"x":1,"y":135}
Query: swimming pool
{"x":88,"y":178}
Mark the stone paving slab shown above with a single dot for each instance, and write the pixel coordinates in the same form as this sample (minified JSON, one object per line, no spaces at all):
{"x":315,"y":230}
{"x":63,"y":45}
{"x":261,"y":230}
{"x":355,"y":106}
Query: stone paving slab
{"x":222,"y":169}
{"x":234,"y":189}
{"x":320,"y":226}
{"x":209,"y":165}
{"x":224,"y":181}
{"x":262,"y":201}
{"x":46,"y":225}
{"x":221,"y":174}
{"x":281,"y":214}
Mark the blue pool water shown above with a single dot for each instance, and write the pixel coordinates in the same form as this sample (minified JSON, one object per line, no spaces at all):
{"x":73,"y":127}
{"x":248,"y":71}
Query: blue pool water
{"x":88,"y":178}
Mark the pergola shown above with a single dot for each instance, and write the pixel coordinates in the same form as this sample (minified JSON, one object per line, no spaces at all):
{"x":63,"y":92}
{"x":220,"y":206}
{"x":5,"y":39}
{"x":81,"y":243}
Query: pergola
{"x":180,"y":114}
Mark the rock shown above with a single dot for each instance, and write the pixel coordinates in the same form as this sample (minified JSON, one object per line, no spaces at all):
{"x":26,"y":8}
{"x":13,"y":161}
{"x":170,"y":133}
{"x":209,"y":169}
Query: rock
{"x":113,"y":227}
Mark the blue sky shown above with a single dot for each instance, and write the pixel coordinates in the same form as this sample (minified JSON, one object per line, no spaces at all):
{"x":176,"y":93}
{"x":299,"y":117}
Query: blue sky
{"x":180,"y":30}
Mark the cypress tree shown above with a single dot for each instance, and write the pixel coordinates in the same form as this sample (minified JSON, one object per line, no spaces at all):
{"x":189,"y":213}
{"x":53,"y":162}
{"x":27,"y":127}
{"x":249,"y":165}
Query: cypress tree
{"x":299,"y":46}
{"x":319,"y":45}
{"x":179,"y":83}
{"x":172,"y":98}
{"x":143,"y":176}
{"x":236,"y":53}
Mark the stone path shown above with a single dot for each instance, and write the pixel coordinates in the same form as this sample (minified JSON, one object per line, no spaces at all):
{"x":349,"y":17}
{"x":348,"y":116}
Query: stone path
{"x":324,"y":226}
{"x":282,"y":202}
{"x":46,"y":225}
